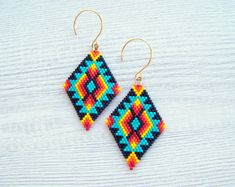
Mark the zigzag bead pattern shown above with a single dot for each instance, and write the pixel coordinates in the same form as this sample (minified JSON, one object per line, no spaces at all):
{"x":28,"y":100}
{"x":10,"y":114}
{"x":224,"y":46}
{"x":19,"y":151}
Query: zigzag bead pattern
{"x":91,"y":87}
{"x":135,"y":124}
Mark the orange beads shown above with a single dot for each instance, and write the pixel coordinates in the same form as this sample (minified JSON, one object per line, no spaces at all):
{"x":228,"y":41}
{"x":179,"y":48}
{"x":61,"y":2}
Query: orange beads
{"x":91,"y":87}
{"x":135,"y":124}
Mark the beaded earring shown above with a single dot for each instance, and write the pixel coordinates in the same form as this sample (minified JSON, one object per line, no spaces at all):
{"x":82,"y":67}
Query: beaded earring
{"x":91,"y":86}
{"x":135,"y":123}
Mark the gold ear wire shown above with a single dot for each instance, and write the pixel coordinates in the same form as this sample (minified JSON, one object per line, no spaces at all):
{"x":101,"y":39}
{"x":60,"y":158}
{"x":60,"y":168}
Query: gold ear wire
{"x":138,"y":75}
{"x":94,"y":44}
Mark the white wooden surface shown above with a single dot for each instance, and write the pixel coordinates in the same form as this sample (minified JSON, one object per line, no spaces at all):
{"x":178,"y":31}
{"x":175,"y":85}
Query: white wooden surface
{"x":191,"y":80}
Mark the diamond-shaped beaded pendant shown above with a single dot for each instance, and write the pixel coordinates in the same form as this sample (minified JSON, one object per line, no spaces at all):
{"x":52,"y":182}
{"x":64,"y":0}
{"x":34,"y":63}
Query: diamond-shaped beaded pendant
{"x":135,"y":124}
{"x":91,"y":87}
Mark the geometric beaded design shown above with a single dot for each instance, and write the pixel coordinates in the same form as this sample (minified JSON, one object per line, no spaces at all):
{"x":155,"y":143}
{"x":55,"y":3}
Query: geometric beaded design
{"x":91,"y":87}
{"x":135,"y":124}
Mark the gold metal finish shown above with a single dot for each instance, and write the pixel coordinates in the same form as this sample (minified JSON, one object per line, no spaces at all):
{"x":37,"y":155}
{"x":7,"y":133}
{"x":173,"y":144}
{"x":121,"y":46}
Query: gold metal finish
{"x":94,"y":44}
{"x":138,"y":75}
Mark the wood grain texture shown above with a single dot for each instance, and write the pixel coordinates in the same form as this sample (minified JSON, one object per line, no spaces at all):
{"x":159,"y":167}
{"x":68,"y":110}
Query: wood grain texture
{"x":191,"y":81}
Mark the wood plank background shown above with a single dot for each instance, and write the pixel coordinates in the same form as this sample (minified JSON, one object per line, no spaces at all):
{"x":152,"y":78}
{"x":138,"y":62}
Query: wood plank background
{"x":191,"y":80}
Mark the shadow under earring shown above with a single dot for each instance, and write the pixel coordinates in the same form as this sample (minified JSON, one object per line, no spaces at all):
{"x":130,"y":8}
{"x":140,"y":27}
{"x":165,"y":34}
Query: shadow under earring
{"x":91,"y":86}
{"x":135,"y":123}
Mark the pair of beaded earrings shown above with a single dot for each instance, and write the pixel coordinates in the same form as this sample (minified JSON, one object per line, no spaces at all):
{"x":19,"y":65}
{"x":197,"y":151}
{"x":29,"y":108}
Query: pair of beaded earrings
{"x":135,"y":123}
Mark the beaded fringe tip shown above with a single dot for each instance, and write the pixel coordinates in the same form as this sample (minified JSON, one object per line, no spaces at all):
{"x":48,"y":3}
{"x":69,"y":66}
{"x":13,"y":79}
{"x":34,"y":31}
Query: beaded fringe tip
{"x":91,"y":87}
{"x":135,"y":124}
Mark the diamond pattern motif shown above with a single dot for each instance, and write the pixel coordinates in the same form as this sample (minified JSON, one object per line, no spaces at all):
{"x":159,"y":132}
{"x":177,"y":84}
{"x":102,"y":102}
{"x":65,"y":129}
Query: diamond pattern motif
{"x":135,"y":124}
{"x":91,"y":87}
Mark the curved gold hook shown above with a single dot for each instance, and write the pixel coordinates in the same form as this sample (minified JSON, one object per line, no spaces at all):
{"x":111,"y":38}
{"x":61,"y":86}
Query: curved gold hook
{"x":94,"y":44}
{"x":138,"y":75}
